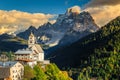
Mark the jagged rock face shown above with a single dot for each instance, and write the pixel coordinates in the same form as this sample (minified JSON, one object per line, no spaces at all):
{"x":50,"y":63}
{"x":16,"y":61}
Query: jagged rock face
{"x":43,"y":33}
{"x":67,"y":26}
{"x":82,"y":25}
{"x":26,"y":33}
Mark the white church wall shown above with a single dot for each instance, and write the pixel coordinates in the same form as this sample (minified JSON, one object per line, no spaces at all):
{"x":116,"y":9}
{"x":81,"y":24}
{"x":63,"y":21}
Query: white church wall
{"x":32,"y":64}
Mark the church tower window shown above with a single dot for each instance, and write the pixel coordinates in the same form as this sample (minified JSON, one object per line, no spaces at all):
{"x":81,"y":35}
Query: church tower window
{"x":32,"y":40}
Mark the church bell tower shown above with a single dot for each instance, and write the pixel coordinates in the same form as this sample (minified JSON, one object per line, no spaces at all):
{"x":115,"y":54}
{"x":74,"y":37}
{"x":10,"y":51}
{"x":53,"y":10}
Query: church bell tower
{"x":32,"y":40}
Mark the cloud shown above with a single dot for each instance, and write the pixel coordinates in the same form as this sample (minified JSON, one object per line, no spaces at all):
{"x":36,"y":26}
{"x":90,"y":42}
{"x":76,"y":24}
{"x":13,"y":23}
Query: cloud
{"x":7,"y":29}
{"x":103,"y":11}
{"x":12,"y":21}
{"x":97,"y":3}
{"x":52,"y":21}
{"x":102,"y":14}
{"x":75,"y":9}
{"x":3,"y":30}
{"x":17,"y":20}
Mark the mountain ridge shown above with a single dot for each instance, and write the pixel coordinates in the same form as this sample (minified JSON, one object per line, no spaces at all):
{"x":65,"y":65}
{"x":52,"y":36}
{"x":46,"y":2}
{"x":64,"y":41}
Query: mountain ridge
{"x":72,"y":55}
{"x":64,"y":25}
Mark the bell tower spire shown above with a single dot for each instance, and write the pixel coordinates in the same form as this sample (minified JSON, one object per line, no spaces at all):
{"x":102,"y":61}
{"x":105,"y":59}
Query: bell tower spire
{"x":32,"y":40}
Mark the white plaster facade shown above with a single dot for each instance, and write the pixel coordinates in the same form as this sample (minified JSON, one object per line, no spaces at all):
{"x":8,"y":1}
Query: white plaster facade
{"x":31,"y":54}
{"x":11,"y":70}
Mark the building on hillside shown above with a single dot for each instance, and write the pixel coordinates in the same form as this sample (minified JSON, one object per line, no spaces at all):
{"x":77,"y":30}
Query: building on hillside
{"x":11,"y":70}
{"x":32,"y":54}
{"x":3,"y":57}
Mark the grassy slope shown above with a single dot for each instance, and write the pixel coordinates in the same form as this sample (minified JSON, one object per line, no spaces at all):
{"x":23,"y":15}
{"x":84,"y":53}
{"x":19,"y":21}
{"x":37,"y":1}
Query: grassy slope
{"x":11,"y":43}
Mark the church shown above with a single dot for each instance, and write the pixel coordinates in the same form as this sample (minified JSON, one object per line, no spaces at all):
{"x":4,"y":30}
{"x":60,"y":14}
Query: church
{"x":32,"y":54}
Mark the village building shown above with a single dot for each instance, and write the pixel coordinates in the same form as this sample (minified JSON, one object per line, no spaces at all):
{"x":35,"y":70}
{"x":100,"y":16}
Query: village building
{"x":11,"y":70}
{"x":32,"y":54}
{"x":3,"y":57}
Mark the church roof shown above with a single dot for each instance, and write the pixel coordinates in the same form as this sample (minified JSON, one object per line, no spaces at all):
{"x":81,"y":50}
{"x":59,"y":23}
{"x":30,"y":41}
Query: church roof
{"x":38,"y":47}
{"x":23,"y":52}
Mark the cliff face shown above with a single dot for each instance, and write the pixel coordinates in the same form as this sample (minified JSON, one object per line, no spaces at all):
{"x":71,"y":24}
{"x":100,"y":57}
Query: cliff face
{"x":69,"y":27}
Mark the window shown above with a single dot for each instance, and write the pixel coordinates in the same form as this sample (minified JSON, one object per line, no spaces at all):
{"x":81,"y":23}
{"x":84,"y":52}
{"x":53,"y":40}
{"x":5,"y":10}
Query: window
{"x":30,"y":37}
{"x":30,"y":41}
{"x":19,"y":65}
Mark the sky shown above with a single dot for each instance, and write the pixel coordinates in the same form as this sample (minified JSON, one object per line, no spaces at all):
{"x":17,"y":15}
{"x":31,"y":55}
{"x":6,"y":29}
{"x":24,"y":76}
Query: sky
{"x":40,"y":6}
{"x":18,"y":15}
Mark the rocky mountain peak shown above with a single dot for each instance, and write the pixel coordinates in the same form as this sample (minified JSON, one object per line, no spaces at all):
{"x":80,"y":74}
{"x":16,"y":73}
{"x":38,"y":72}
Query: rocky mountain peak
{"x":31,"y":28}
{"x":72,"y":24}
{"x":48,"y":24}
{"x":73,"y":10}
{"x":45,"y":26}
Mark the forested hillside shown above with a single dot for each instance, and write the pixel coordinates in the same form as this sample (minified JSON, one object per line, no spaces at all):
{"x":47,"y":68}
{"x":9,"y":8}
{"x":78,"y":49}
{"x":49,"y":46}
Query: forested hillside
{"x":47,"y":72}
{"x":97,"y":55}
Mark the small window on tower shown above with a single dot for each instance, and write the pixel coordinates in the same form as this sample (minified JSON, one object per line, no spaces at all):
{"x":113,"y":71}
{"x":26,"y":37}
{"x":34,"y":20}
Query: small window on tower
{"x":30,"y":41}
